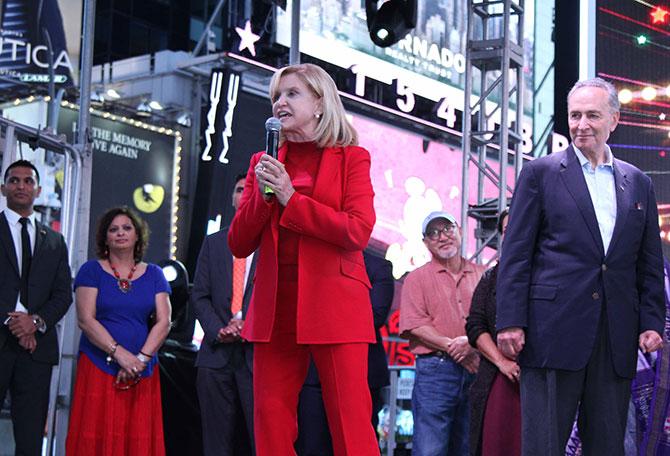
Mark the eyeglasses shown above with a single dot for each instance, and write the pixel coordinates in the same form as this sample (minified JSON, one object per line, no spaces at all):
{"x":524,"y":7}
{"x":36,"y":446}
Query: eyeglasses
{"x":435,"y":233}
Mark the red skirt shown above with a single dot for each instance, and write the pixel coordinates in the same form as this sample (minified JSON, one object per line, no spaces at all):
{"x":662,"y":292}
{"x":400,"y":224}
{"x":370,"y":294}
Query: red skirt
{"x":501,"y":433}
{"x":108,"y":421}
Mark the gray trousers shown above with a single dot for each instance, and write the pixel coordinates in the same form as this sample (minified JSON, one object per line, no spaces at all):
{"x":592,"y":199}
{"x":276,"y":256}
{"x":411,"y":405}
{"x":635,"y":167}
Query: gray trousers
{"x":550,"y":399}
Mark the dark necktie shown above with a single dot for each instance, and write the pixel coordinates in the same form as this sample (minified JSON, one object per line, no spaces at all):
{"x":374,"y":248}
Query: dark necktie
{"x":26,"y":259}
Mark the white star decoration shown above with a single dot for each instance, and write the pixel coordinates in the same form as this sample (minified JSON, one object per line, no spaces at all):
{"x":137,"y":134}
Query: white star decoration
{"x":247,"y":38}
{"x":661,"y":116}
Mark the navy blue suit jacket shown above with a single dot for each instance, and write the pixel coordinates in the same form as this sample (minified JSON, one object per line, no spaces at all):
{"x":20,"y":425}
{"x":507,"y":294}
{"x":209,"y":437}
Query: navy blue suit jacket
{"x":211,"y":298}
{"x":555,"y":275}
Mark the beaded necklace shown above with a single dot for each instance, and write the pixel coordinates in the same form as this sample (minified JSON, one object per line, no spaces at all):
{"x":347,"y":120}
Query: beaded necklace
{"x":123,"y":284}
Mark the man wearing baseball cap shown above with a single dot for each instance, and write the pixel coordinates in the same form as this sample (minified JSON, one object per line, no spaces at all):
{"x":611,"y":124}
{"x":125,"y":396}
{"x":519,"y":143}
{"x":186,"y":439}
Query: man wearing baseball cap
{"x":435,"y":302}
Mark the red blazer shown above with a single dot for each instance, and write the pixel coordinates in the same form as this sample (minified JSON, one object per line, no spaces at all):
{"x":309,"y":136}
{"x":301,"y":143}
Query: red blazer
{"x":334,"y":224}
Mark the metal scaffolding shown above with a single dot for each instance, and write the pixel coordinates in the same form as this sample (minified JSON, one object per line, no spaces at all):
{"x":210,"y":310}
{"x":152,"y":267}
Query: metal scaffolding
{"x":491,"y":130}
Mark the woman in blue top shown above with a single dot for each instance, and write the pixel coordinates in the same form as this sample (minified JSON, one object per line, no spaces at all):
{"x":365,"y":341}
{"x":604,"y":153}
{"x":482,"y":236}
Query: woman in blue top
{"x":116,"y":406}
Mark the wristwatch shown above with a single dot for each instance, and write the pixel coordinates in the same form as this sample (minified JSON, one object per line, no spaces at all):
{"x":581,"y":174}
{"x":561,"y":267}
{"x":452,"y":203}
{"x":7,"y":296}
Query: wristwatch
{"x":39,"y":324}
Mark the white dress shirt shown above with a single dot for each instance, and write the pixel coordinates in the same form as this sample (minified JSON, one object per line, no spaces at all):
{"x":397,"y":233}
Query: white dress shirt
{"x":600,"y":182}
{"x":15,"y":228}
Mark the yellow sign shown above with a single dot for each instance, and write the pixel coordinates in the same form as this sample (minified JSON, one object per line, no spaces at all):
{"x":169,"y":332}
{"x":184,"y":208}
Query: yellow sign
{"x":148,"y":198}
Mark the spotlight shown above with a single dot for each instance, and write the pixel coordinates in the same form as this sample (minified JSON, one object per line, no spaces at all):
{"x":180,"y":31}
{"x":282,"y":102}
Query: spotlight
{"x":177,"y":276}
{"x":97,"y":98}
{"x":170,"y":273}
{"x":143,"y":109}
{"x":113,"y":94}
{"x":156,"y":106}
{"x":390,"y":23}
{"x":185,"y":120}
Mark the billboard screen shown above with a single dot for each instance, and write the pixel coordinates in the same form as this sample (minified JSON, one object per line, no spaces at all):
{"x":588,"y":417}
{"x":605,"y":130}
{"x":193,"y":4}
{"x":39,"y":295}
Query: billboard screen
{"x":413,"y":176}
{"x":430,"y":59}
{"x":132,"y":166}
{"x":27,"y":29}
{"x":632,"y":53}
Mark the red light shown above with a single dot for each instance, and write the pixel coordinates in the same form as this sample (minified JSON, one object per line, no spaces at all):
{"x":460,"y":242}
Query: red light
{"x":661,"y":154}
{"x":658,"y":15}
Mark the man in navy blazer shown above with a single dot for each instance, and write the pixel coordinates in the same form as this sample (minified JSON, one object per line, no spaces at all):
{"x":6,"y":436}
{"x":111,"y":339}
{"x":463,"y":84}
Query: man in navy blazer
{"x":224,"y":361}
{"x":581,"y":283}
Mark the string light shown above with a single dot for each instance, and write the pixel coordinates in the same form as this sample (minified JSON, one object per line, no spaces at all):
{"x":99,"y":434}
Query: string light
{"x":648,"y":93}
{"x":625,"y":96}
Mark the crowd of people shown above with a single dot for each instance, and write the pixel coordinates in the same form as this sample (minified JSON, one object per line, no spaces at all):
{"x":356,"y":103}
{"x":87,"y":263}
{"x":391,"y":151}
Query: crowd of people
{"x":290,"y":305}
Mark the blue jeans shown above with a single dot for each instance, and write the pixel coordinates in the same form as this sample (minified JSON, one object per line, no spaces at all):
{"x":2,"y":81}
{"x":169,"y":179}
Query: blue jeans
{"x":440,"y":408}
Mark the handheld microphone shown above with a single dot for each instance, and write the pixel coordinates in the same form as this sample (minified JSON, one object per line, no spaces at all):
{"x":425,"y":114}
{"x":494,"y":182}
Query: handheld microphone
{"x":272,"y":129}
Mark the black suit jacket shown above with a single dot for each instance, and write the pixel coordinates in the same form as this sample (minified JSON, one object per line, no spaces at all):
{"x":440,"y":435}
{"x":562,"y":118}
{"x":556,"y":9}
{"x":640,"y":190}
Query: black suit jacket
{"x":50,"y":285}
{"x":211,"y":298}
{"x":380,"y":272}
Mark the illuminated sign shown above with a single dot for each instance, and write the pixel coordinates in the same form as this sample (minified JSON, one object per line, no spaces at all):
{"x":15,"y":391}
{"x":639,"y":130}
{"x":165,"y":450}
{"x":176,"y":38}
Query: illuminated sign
{"x":422,"y":75}
{"x":32,"y":55}
{"x":427,"y":57}
{"x":214,"y":97}
{"x":231,"y":98}
{"x":216,"y":86}
{"x":413,"y":177}
{"x":26,"y":31}
{"x":640,"y":74}
{"x":247,"y":38}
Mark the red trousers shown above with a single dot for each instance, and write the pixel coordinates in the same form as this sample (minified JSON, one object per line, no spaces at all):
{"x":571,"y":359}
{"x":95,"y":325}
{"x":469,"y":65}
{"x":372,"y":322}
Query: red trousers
{"x":280,"y":367}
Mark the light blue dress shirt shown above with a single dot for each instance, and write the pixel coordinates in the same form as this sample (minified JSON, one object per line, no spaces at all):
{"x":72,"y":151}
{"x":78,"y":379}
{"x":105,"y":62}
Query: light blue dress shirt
{"x":600,"y":182}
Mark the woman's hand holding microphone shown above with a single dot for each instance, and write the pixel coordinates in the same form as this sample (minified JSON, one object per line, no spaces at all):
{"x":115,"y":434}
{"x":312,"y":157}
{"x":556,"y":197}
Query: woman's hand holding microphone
{"x":271,"y":173}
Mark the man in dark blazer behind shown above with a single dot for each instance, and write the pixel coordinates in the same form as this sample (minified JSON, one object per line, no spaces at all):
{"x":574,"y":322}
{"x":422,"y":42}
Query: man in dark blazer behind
{"x":313,"y":434}
{"x":580,"y":285}
{"x":35,"y":293}
{"x":224,"y":361}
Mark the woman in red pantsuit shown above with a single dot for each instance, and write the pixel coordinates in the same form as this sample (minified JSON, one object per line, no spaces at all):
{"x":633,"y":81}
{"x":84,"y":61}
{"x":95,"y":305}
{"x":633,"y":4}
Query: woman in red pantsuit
{"x":311,"y":289}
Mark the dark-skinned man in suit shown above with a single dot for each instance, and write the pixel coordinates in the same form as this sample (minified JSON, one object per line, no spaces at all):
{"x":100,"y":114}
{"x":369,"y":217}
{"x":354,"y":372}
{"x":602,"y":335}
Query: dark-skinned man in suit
{"x":224,"y":361}
{"x":35,"y":293}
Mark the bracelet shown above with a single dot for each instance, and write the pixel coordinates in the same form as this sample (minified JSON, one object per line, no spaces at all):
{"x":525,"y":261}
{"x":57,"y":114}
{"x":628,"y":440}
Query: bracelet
{"x":148,"y":356}
{"x":110,"y":354}
{"x":143,"y":358}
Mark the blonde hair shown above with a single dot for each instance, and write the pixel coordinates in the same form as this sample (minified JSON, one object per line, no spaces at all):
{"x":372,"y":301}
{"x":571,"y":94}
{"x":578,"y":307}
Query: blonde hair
{"x":333,"y":128}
